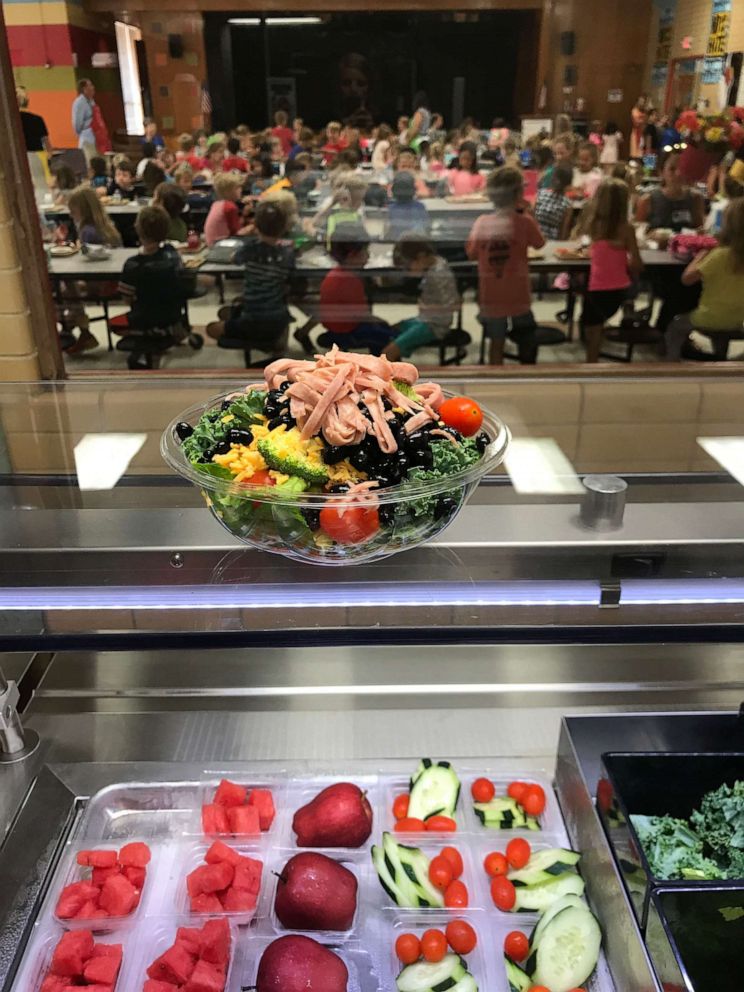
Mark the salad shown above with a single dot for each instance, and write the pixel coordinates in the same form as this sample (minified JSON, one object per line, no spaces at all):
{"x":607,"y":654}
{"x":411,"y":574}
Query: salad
{"x":337,"y":453}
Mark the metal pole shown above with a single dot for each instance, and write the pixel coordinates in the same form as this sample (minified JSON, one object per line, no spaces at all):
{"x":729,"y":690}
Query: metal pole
{"x":12,"y":739}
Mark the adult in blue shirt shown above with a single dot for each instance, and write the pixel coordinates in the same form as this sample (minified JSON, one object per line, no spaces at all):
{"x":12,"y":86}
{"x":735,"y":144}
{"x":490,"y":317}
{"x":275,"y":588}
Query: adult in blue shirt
{"x":82,"y":117}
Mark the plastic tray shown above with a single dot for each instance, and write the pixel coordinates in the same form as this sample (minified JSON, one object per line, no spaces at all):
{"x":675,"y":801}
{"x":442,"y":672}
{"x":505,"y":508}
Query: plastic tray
{"x":355,"y":863}
{"x":364,"y":975}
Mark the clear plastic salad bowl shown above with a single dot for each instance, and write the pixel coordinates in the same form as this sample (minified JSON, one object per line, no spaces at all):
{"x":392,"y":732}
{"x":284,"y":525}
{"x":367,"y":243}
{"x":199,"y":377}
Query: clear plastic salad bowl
{"x":264,"y":518}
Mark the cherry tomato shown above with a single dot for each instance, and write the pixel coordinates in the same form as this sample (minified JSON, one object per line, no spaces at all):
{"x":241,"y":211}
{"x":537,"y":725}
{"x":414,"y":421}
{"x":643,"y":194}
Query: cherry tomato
{"x":408,"y":948}
{"x":433,"y":945}
{"x":349,"y":524}
{"x":503,"y":893}
{"x":463,"y":414}
{"x":576,"y":990}
{"x":260,"y":478}
{"x":400,"y":806}
{"x":533,"y":801}
{"x":516,"y":945}
{"x":410,"y":825}
{"x":605,"y":794}
{"x":460,"y":936}
{"x":516,"y":790}
{"x":455,"y":859}
{"x":495,"y":864}
{"x":518,"y":852}
{"x":483,"y":790}
{"x":538,"y":988}
{"x":456,"y":895}
{"x":441,"y":824}
{"x":440,"y":872}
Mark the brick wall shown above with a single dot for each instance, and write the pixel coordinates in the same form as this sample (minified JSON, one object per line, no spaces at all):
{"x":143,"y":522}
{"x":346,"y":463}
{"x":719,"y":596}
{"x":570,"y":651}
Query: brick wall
{"x":175,"y":84}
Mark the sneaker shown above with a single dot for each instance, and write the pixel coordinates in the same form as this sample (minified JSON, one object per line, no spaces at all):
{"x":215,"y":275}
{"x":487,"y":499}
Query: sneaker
{"x":303,"y":339}
{"x":86,"y":342}
{"x":215,"y":330}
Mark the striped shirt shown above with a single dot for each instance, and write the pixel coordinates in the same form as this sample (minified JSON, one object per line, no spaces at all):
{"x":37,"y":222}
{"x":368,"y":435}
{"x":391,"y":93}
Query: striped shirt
{"x":268,"y":269}
{"x":550,"y":209}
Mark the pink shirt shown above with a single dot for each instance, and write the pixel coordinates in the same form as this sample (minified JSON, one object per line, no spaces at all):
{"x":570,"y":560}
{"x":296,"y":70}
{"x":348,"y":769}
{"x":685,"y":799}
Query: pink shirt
{"x":609,"y":267}
{"x":223,"y":221}
{"x":462,"y":182}
{"x":499,"y":241}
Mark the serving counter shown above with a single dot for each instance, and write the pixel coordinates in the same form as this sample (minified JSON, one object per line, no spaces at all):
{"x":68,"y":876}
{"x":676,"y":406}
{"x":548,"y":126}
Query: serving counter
{"x":147,"y":645}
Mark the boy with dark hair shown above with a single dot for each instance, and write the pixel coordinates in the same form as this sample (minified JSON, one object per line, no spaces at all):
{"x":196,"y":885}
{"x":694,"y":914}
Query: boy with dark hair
{"x":123,"y":182}
{"x":405,"y":212}
{"x":151,"y":279}
{"x":98,"y":172}
{"x":234,"y":161}
{"x":262,"y":317}
{"x":344,"y":308}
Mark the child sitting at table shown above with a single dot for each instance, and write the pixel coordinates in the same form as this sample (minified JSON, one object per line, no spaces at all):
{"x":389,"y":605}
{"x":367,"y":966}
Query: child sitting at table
{"x":438,"y":298}
{"x":333,"y":143}
{"x":344,"y":308}
{"x":262,"y":174}
{"x":152,"y":176}
{"x":213,"y":163}
{"x":234,"y":161}
{"x":63,"y":183}
{"x":149,"y":154}
{"x":345,"y":205}
{"x":152,"y":279}
{"x":173,"y":201}
{"x":122,"y":185}
{"x":464,"y":178}
{"x":721,"y":271}
{"x":262,"y":317}
{"x":499,"y":242}
{"x":187,"y":154}
{"x":91,"y":221}
{"x":553,"y":209}
{"x":407,"y":161}
{"x":405,"y":212}
{"x":224,"y":219}
{"x":98,"y":173}
{"x":587,"y":175}
{"x":615,"y":261}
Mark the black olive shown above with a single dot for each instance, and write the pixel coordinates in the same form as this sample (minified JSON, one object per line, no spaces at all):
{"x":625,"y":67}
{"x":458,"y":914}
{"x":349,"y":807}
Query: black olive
{"x":482,"y":441}
{"x":312,"y":517}
{"x":285,"y":386}
{"x":422,"y":457}
{"x":239,"y":436}
{"x":386,"y":513}
{"x":184,"y":430}
{"x":416,"y":439}
{"x":271,"y":410}
{"x":334,"y":454}
{"x":226,"y":404}
{"x":365,"y":410}
{"x":384,"y":480}
{"x":359,"y":458}
{"x":386,"y":404}
{"x":402,"y":462}
{"x":445,"y":507}
{"x":340,"y":487}
{"x":222,"y":448}
{"x":275,"y":396}
{"x":397,"y":430}
{"x":276,"y":422}
{"x":207,"y":456}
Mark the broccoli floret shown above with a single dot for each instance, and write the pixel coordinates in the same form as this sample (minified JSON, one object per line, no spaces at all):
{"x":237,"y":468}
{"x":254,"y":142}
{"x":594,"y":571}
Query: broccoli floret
{"x":284,"y":451}
{"x":293,"y":486}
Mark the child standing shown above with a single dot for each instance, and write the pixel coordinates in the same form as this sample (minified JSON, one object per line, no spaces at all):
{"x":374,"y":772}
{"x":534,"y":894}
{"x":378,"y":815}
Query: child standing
{"x":344,"y":308}
{"x":615,"y":261}
{"x":381,"y":153}
{"x":262,"y":317}
{"x":721,"y":272}
{"x":587,"y":176}
{"x":438,"y":298}
{"x":464,"y":178}
{"x":223,"y":219}
{"x":499,"y":242}
{"x":553,"y":209}
{"x":283,"y":132}
{"x":610,"y":154}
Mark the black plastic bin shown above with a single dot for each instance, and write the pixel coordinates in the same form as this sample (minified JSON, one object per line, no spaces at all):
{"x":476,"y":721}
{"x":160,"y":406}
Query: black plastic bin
{"x":657,"y":784}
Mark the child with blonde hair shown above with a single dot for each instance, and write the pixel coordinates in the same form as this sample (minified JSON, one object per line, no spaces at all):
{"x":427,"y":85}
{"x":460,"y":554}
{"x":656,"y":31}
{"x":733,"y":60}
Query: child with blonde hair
{"x":223,"y":219}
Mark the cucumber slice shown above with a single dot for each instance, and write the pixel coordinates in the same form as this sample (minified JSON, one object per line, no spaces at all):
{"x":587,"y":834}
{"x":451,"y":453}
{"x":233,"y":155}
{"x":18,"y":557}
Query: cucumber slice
{"x":568,"y":950}
{"x":386,"y":876}
{"x":537,"y":898}
{"x":434,"y":793}
{"x":501,"y":813}
{"x":532,"y":823}
{"x":552,"y":911}
{"x":466,"y":984}
{"x":424,"y":976}
{"x":416,"y":865}
{"x":546,"y":865}
{"x":402,"y":874}
{"x":420,"y":769}
{"x":519,"y":981}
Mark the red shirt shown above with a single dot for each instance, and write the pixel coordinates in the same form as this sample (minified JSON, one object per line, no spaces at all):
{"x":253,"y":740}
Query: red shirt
{"x":195,"y":162}
{"x":234,"y":163}
{"x":343,"y":302}
{"x":332,"y":148}
{"x":286,"y":137}
{"x":499,"y":241}
{"x":223,"y":221}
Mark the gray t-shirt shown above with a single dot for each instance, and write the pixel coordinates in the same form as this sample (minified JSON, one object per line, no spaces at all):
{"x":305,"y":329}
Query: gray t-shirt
{"x":438,"y":297}
{"x":671,"y":214}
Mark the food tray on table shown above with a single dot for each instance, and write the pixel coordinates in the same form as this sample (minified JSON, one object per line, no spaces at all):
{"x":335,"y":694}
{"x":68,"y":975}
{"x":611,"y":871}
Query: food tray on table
{"x":636,"y":789}
{"x":168,"y":818}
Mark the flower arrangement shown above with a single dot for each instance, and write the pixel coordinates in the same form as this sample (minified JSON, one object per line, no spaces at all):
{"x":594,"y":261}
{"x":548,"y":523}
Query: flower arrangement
{"x":717,"y":132}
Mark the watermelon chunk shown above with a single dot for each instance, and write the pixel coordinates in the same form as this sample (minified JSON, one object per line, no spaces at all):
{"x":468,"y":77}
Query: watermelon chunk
{"x":53,"y":983}
{"x":263,"y":800}
{"x":214,"y":819}
{"x":206,"y":903}
{"x":248,"y":875}
{"x":100,"y":875}
{"x":73,"y":897}
{"x":190,"y":937}
{"x":209,"y":878}
{"x":97,"y":859}
{"x":101,"y":971}
{"x":244,"y":820}
{"x":71,"y":953}
{"x":114,"y":951}
{"x":118,"y":896}
{"x":135,"y":855}
{"x":89,"y":911}
{"x":239,"y":901}
{"x":230,"y":794}
{"x":220,"y":851}
{"x":153,"y":985}
{"x":91,"y":988}
{"x":136,"y":876}
{"x":206,"y":978}
{"x":216,"y":942}
{"x":175,"y":966}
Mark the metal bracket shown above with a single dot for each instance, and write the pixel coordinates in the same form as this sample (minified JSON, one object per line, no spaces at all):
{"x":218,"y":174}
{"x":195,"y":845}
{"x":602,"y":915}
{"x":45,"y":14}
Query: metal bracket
{"x":14,"y":743}
{"x":609,"y":595}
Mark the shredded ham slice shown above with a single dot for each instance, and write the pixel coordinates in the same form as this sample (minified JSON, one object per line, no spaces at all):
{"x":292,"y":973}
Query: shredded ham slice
{"x":418,"y":420}
{"x":437,"y":432}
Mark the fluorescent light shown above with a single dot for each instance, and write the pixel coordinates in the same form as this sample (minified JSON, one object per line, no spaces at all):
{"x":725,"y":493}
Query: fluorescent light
{"x":728,"y":452}
{"x":102,"y":459}
{"x":273,"y":21}
{"x":537,"y":465}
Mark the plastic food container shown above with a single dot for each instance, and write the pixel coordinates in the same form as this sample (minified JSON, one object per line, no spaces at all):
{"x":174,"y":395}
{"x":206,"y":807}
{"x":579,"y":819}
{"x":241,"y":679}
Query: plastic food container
{"x":600,"y":980}
{"x":550,"y":819}
{"x":40,"y":959}
{"x":303,"y":791}
{"x":363,"y":972}
{"x":431,"y":848}
{"x":418,"y":924}
{"x":205,"y":796}
{"x":160,"y":936}
{"x":73,"y":872}
{"x":356,"y":864}
{"x":189,"y":858}
{"x":399,"y":786}
{"x":271,"y":522}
